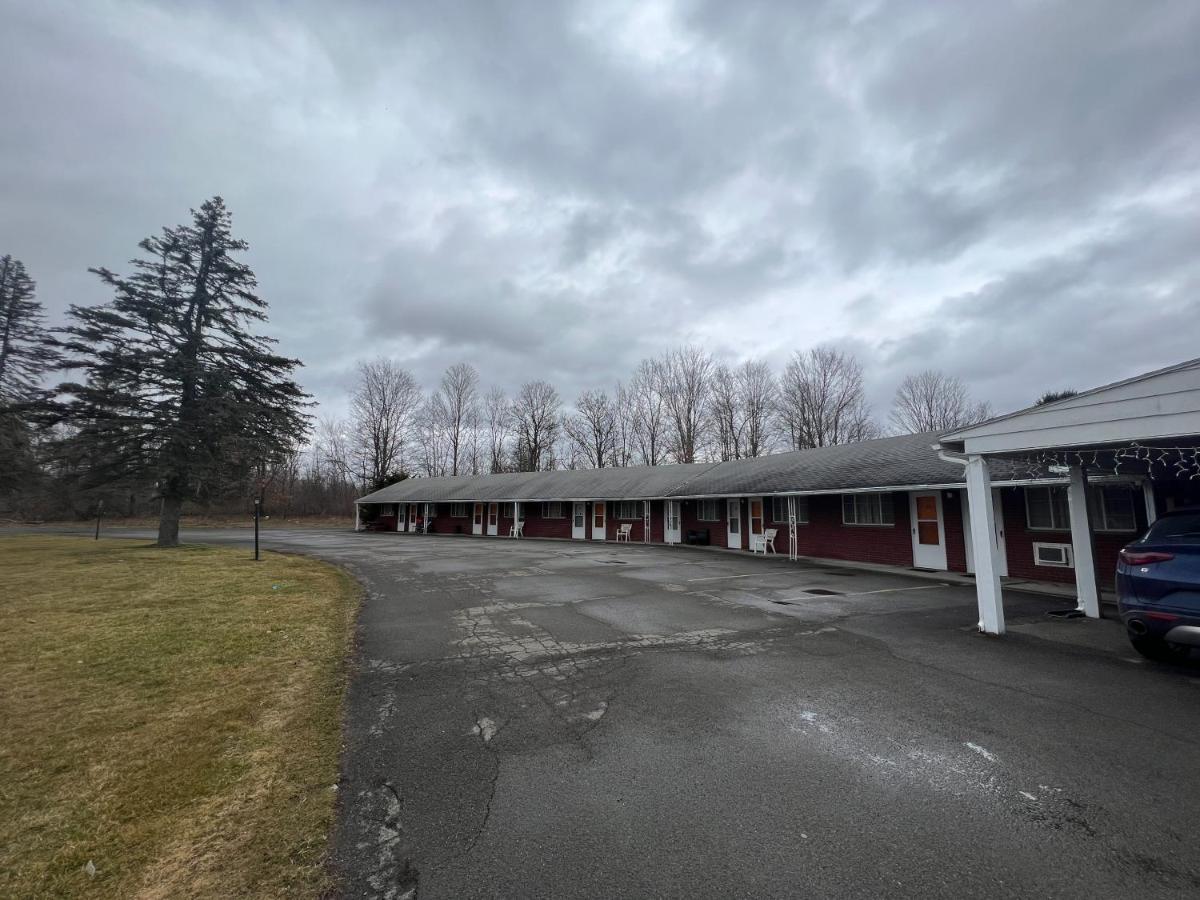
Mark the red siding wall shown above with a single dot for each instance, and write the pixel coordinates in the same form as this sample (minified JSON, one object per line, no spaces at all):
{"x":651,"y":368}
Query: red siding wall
{"x":1019,"y":541}
{"x":956,"y":542}
{"x":612,"y":524}
{"x":717,"y":531}
{"x":825,"y":535}
{"x":444,"y":523}
{"x":536,"y":526}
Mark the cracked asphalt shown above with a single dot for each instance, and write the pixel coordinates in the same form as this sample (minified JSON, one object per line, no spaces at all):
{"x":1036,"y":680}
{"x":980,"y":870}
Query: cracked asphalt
{"x":549,"y":719}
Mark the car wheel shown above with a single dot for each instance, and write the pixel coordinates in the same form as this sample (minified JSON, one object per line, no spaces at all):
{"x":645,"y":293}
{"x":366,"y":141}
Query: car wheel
{"x":1160,"y":650}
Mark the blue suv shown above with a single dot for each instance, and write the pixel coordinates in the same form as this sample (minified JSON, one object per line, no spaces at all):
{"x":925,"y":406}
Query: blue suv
{"x":1158,"y":587}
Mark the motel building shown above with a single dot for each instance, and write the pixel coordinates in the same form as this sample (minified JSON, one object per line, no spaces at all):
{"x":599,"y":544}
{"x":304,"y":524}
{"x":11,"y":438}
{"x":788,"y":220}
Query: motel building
{"x":1049,"y":494}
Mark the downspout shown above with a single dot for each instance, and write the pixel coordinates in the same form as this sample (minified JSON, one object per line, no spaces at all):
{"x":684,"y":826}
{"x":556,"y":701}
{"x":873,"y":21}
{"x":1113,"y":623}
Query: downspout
{"x":941,"y":452}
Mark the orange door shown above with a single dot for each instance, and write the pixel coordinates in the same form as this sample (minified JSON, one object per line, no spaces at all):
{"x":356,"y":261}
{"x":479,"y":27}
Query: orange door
{"x":927,"y":520}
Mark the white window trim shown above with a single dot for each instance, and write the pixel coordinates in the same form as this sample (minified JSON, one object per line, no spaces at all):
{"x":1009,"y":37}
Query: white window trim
{"x":801,"y":510}
{"x":1049,"y":488}
{"x":455,"y":511}
{"x":635,"y":505}
{"x":716,"y":509}
{"x":880,"y":523}
{"x":546,"y":507}
{"x":1102,"y":526}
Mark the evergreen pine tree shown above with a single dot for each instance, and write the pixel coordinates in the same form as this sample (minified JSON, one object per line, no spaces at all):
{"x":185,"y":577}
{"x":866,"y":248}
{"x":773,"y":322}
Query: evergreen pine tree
{"x":25,"y":356}
{"x":178,"y":391}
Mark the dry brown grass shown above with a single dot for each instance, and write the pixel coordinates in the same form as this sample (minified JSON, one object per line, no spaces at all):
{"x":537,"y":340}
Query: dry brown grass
{"x":171,"y":716}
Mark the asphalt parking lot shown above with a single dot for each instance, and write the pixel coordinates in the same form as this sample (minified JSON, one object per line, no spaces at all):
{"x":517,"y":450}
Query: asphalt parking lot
{"x":549,"y":719}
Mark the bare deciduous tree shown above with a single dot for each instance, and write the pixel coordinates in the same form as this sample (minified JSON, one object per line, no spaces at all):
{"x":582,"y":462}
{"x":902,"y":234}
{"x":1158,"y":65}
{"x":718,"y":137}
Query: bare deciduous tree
{"x":384,"y":412}
{"x":498,"y":412}
{"x":474,"y":441}
{"x":535,"y":421}
{"x":435,"y":458}
{"x":625,"y":426}
{"x":742,"y":406}
{"x":725,"y":413}
{"x":822,"y":401}
{"x":935,"y":401}
{"x":649,"y":414}
{"x":756,"y":395}
{"x":458,"y":400}
{"x":684,"y":377}
{"x":591,"y":429}
{"x":331,"y":453}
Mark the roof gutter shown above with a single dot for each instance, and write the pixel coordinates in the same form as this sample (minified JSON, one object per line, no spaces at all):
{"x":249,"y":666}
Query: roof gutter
{"x":941,"y":452}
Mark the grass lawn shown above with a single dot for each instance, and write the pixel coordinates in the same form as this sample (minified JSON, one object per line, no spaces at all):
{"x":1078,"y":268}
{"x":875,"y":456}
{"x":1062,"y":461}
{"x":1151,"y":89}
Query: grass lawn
{"x":170,"y":716}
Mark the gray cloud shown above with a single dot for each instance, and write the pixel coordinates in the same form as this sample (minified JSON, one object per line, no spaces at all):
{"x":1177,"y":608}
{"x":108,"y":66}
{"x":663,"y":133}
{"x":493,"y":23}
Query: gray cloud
{"x":555,"y":190}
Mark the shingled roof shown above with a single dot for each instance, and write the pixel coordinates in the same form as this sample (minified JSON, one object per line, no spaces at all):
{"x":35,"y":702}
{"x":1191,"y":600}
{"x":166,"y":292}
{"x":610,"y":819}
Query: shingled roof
{"x":895,"y":462}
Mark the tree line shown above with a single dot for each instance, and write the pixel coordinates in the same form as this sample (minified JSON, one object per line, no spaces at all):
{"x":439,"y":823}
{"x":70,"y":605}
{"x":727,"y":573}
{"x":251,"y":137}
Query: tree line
{"x":168,"y":396}
{"x":681,"y":407}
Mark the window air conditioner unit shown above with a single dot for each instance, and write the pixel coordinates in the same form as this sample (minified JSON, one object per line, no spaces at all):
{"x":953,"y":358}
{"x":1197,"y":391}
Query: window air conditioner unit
{"x":1058,"y":556}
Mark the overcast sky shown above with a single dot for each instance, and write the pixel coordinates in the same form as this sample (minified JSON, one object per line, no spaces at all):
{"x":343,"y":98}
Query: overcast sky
{"x":1006,"y":191}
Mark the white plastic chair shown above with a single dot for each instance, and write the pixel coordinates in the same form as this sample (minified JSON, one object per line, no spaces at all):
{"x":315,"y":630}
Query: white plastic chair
{"x":768,"y":540}
{"x":623,"y":532}
{"x":517,"y":530}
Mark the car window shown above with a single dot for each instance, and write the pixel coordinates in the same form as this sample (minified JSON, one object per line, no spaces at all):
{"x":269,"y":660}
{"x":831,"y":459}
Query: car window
{"x":1183,"y":529}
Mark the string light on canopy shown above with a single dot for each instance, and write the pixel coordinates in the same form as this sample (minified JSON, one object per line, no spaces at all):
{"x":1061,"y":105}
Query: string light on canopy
{"x":1181,"y":463}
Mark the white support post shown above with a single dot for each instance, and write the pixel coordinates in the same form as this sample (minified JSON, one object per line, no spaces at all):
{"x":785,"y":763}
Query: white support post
{"x":1086,"y":585}
{"x":645,"y":521}
{"x":987,"y":578}
{"x":1151,"y":503}
{"x":793,"y":540}
{"x":357,"y":517}
{"x":401,"y":512}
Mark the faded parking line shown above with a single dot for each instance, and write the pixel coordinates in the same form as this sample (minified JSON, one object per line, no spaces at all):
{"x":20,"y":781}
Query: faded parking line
{"x":920,"y":587}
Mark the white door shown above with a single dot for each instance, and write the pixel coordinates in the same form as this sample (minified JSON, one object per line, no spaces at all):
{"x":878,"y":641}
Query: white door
{"x":734,"y":516}
{"x":674,"y":533}
{"x":493,"y":518}
{"x":412,"y":516}
{"x":757,"y":525}
{"x":401,"y":516}
{"x":579,"y":521}
{"x":599,"y":521}
{"x":477,"y":519}
{"x":997,"y":533}
{"x":928,"y":530}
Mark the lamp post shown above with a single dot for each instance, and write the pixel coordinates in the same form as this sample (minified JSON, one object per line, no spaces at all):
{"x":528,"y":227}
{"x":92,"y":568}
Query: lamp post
{"x":99,"y":513}
{"x":257,"y":514}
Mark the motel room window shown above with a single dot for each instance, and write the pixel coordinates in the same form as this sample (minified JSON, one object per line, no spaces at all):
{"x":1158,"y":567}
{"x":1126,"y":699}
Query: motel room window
{"x":779,"y":510}
{"x":629,"y":509}
{"x":458,"y":510}
{"x":1113,"y":505}
{"x":708,"y":511}
{"x":1046,"y":509}
{"x":552,"y":511}
{"x":867,"y":509}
